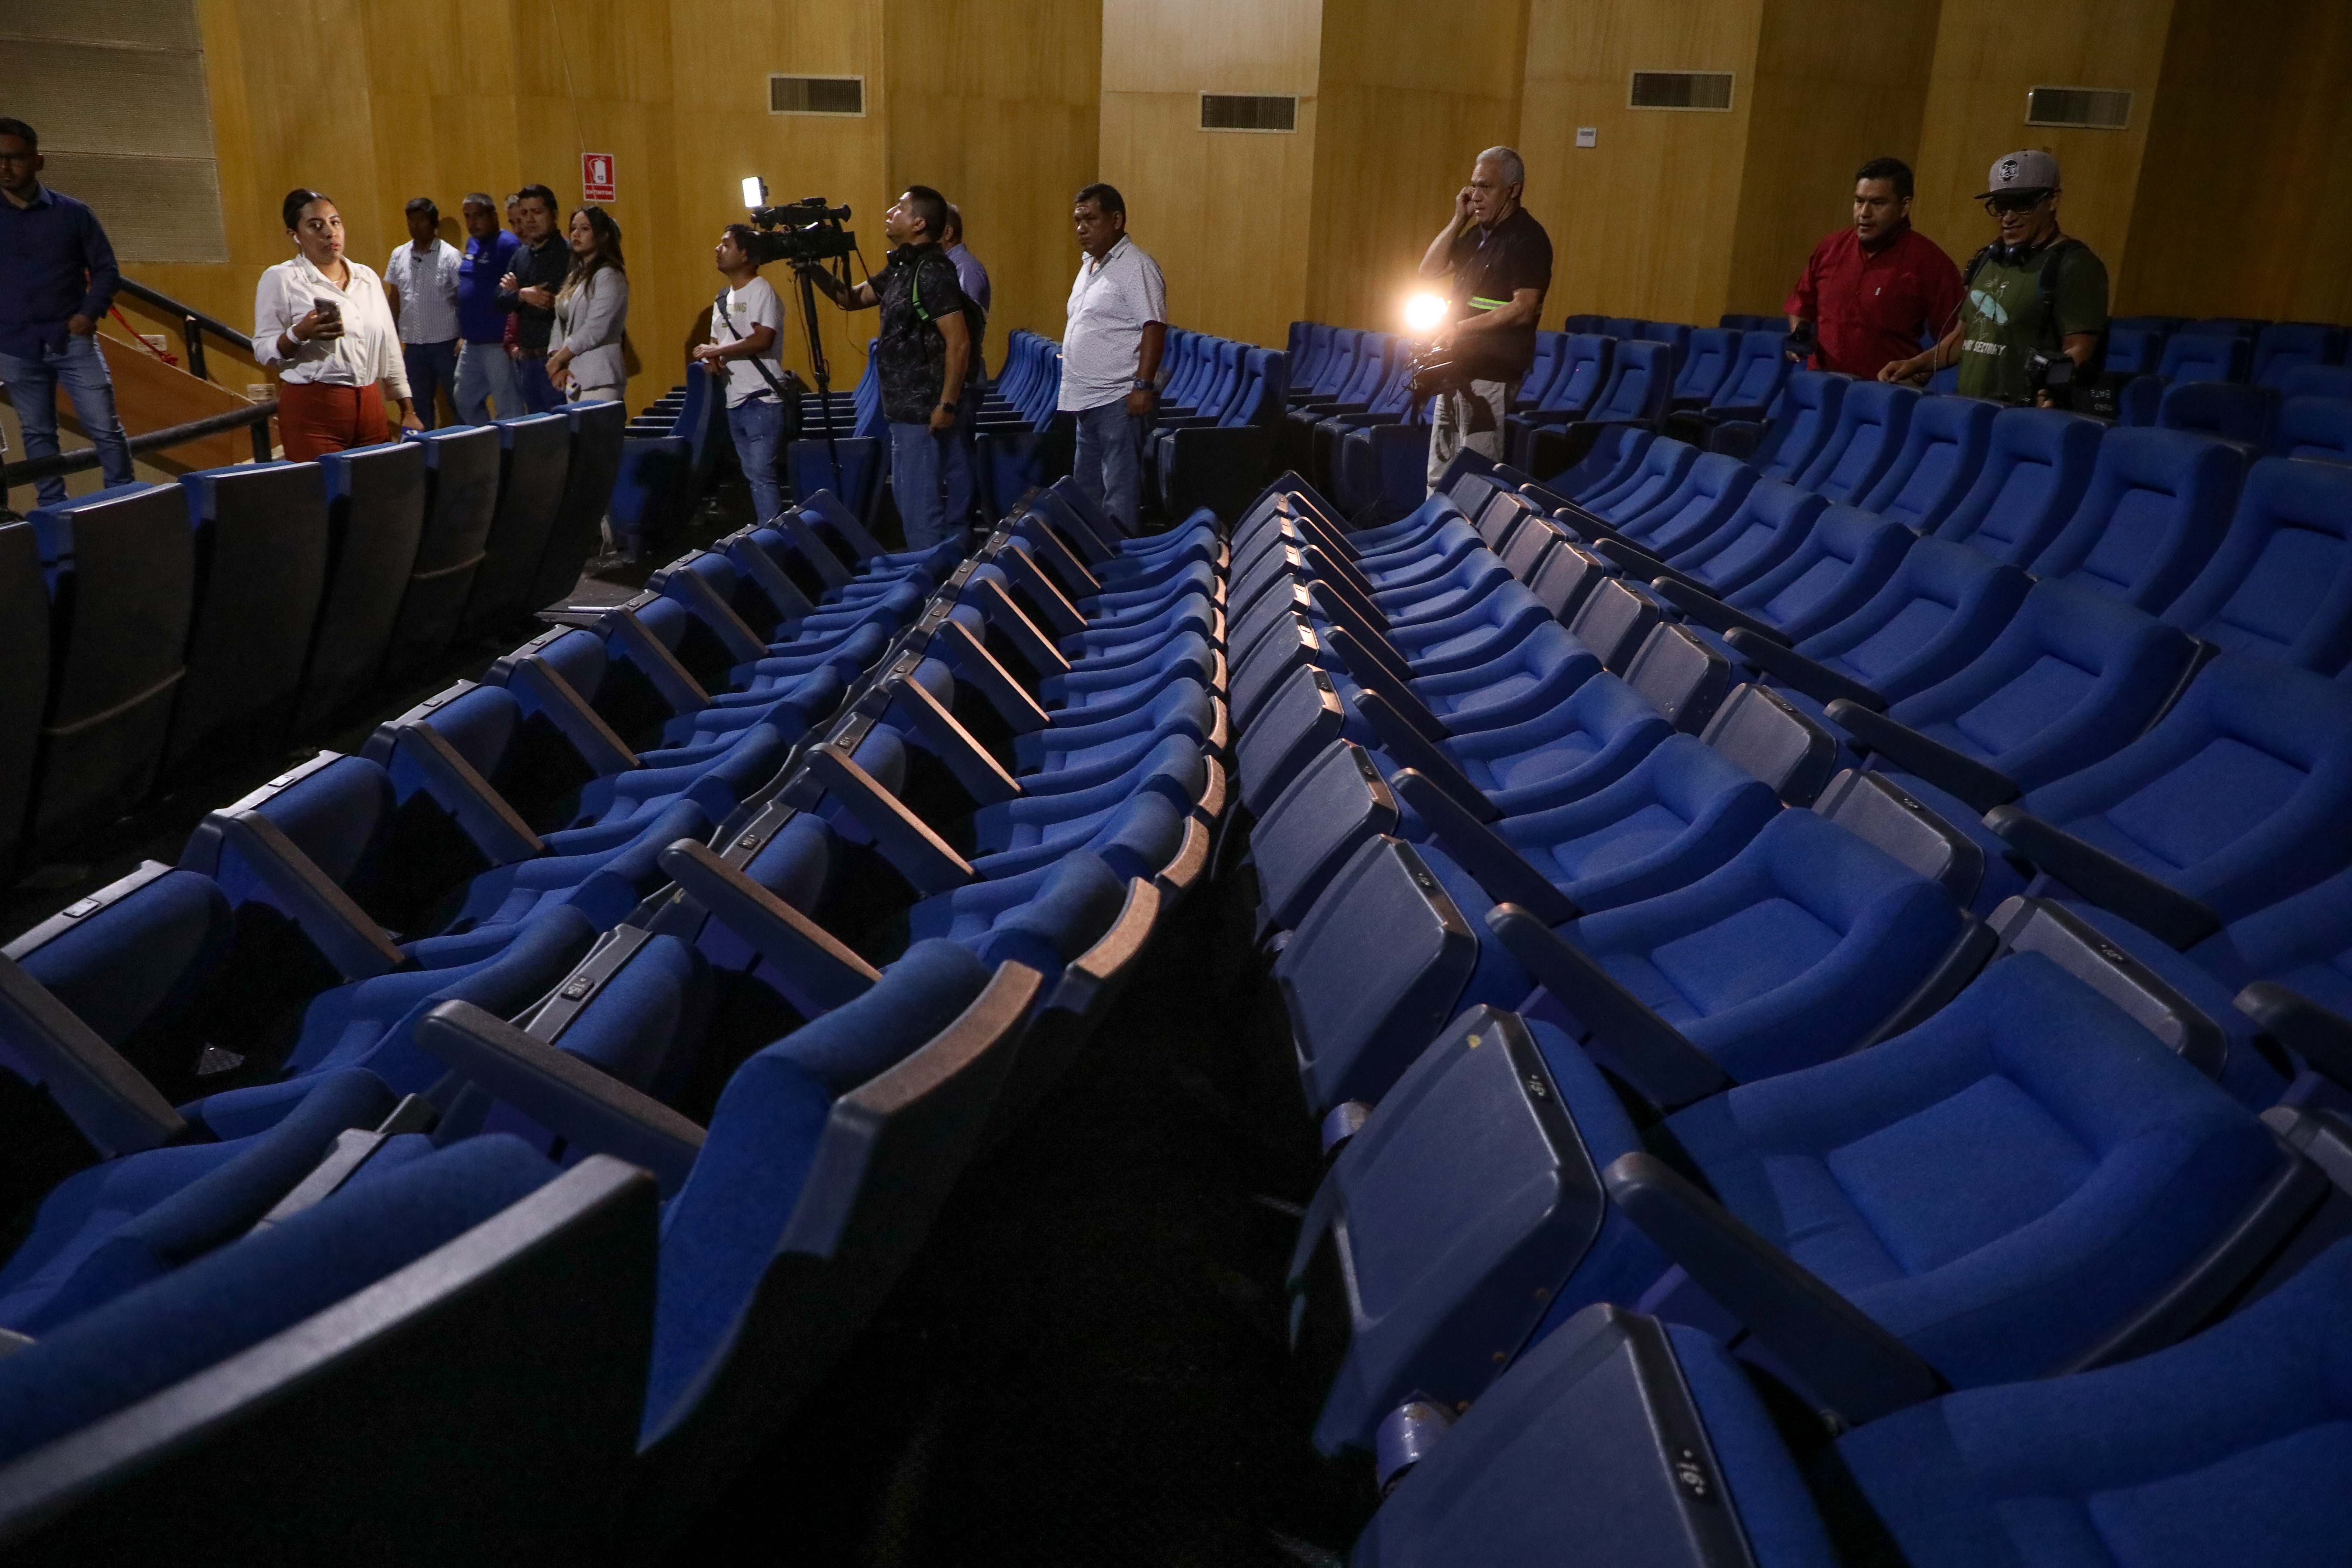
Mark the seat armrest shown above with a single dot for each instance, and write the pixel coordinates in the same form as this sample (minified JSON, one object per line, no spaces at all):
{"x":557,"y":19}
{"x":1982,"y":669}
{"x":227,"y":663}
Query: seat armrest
{"x":991,"y":600}
{"x":1486,"y":855}
{"x":1697,"y":604}
{"x":484,"y":815}
{"x":1654,"y":1055}
{"x":1029,"y":577}
{"x":921,"y":856}
{"x":109,"y":1101}
{"x":1376,"y":677}
{"x":603,"y":749}
{"x":1817,"y":681}
{"x":1590,"y":525}
{"x":563,"y":1094}
{"x":828,"y":972}
{"x":972,"y":661}
{"x":2318,"y":1035}
{"x":1639,"y":563}
{"x":358,"y":947}
{"x":648,"y":653}
{"x":1845,"y":1359}
{"x":2113,"y":885}
{"x":1980,"y":788}
{"x":1409,"y":746}
{"x":792,"y":605}
{"x":1366,"y":637}
{"x":982,"y":776}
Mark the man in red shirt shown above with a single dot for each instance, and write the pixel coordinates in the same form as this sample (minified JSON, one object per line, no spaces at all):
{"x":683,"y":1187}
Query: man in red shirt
{"x":1877,"y":291}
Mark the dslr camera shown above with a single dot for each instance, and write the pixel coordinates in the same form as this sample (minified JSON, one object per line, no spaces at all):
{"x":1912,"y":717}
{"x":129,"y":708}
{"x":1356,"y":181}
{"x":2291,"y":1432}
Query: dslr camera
{"x":805,"y":233}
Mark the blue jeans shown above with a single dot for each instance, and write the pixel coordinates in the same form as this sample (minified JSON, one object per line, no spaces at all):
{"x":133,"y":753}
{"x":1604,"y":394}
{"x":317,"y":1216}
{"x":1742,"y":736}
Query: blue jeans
{"x":1109,"y":466}
{"x":432,"y":369}
{"x":960,"y":463}
{"x":33,"y":381}
{"x":484,"y":377}
{"x":757,"y":426}
{"x":538,"y":394}
{"x":918,"y":460}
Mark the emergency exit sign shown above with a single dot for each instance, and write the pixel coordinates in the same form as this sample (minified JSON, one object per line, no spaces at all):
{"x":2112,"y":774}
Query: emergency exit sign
{"x":596,"y":177}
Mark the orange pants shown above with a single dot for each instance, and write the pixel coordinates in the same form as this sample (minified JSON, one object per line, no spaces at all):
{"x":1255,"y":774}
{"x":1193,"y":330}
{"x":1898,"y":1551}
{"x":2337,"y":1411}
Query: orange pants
{"x":314,"y":417}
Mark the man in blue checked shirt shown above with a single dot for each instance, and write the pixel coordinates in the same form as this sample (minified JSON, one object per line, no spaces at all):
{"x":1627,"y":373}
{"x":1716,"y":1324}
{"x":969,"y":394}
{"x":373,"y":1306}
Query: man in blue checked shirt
{"x":57,"y":279}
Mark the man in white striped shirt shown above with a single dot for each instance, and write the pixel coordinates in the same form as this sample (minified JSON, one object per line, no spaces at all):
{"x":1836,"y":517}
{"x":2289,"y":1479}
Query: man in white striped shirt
{"x":1111,"y":352}
{"x":421,"y":281}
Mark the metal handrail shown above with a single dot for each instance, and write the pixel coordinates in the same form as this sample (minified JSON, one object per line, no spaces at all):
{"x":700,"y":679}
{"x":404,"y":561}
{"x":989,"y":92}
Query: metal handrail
{"x":258,"y":418}
{"x":194,"y":325}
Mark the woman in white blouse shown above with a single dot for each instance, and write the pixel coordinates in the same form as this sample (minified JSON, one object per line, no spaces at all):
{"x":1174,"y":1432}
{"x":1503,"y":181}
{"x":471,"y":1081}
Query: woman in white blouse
{"x":323,"y":321}
{"x":592,"y":311}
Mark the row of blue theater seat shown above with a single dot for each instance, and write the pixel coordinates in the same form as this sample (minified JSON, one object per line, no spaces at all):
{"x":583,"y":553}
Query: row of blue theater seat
{"x":151,"y":630}
{"x":1894,"y":906}
{"x":583,"y":1061}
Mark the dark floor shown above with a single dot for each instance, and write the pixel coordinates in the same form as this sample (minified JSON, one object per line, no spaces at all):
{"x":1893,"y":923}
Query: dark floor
{"x":1089,"y":1364}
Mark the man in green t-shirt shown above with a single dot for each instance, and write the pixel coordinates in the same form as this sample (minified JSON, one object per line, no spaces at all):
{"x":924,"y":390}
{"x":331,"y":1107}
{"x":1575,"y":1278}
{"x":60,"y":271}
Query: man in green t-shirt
{"x":2031,"y":292}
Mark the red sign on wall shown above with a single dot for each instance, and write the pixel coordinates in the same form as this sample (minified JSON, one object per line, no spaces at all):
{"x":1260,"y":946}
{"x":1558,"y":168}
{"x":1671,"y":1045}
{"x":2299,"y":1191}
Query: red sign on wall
{"x":596,"y":177}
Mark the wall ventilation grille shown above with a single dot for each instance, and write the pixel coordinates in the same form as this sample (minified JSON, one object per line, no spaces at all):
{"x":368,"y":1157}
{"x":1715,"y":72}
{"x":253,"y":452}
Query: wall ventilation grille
{"x":1680,"y":89}
{"x":1248,"y":111}
{"x":2082,"y":108}
{"x":816,"y":95}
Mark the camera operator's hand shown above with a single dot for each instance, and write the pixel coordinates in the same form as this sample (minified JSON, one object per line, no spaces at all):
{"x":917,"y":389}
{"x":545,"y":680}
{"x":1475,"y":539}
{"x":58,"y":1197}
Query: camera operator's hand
{"x":1915,"y":368}
{"x":707,"y":354}
{"x":943,"y":419}
{"x":1140,"y":404}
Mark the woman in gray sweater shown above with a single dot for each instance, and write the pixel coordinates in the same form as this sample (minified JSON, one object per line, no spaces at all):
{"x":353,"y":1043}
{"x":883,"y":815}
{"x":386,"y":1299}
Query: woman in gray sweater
{"x":591,"y":312}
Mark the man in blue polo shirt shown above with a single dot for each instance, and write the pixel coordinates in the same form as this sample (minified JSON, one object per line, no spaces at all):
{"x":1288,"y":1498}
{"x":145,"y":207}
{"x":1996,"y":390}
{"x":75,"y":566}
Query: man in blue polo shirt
{"x":485,"y":374}
{"x":57,"y":279}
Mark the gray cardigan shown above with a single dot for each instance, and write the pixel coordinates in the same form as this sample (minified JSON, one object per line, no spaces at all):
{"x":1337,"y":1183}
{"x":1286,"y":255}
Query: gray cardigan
{"x":589,"y":322}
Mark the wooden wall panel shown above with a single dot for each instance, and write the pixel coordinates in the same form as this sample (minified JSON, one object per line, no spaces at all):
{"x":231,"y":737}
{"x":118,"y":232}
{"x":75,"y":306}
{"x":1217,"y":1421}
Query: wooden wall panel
{"x":1227,"y":215}
{"x":1835,"y":83}
{"x":1988,"y":53}
{"x":721,"y":54}
{"x":1408,"y":95}
{"x":997,"y":103}
{"x":2244,"y":205}
{"x":1642,"y":223}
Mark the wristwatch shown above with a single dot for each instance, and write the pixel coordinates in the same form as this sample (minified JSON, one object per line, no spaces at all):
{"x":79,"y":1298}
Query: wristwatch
{"x":1140,"y":384}
{"x":951,"y":407}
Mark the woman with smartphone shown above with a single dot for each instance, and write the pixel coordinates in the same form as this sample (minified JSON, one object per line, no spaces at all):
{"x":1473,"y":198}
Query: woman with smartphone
{"x":323,"y":321}
{"x":591,"y":312}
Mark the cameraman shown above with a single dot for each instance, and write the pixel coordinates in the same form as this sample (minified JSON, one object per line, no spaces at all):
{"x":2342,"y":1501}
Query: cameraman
{"x":1500,"y":258}
{"x":747,"y":323}
{"x":920,"y":357}
{"x":2033,"y":298}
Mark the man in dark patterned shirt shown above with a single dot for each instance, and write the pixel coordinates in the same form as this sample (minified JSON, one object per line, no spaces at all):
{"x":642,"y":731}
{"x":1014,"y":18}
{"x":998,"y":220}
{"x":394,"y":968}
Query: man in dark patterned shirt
{"x":922,"y":354}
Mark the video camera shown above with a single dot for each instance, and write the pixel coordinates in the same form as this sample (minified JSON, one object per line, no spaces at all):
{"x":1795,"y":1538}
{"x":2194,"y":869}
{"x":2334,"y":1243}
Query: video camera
{"x":805,"y":233}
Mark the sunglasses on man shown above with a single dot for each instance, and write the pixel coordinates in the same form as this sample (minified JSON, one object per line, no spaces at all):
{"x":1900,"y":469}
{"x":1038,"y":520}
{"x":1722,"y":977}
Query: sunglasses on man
{"x":2015,"y":202}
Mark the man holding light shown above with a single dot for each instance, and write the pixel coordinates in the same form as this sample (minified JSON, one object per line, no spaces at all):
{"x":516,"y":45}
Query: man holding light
{"x":1500,"y":260}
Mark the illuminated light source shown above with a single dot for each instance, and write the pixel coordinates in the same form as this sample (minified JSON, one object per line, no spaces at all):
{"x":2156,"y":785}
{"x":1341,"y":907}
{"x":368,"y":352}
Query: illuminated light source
{"x":1426,"y":312}
{"x":755,"y":191}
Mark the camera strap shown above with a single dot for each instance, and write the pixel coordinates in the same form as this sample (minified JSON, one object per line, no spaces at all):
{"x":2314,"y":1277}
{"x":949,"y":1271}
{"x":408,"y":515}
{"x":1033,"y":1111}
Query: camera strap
{"x":728,"y":316}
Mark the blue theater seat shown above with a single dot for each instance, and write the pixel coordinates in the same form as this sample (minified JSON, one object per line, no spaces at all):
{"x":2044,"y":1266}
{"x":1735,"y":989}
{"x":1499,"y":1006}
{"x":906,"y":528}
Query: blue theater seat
{"x":2286,"y":346}
{"x":2318,"y":427}
{"x":120,"y":571}
{"x":376,"y":515}
{"x":461,"y":495}
{"x":2037,"y":466}
{"x":2280,"y":584}
{"x":1801,"y":420}
{"x":2218,"y":1449}
{"x":261,"y":568}
{"x":442,"y":1297}
{"x":2103,"y":1197}
{"x":1641,"y":378}
{"x":1944,"y":447}
{"x":1872,"y":420}
{"x":2193,"y":356}
{"x":24,"y":688}
{"x":2156,"y":506}
{"x":534,"y":458}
